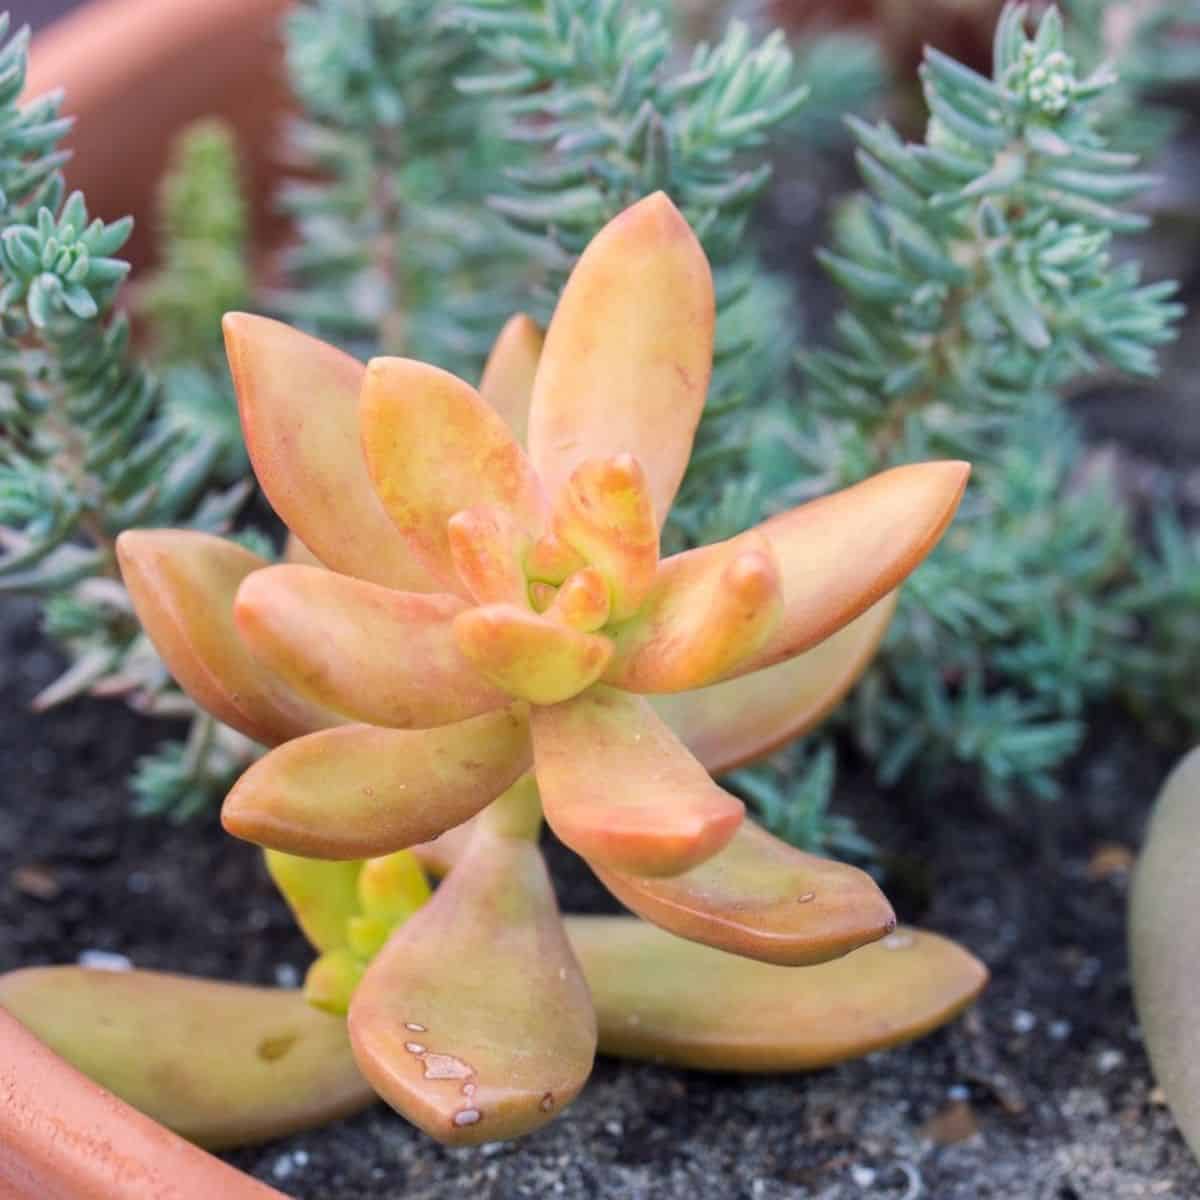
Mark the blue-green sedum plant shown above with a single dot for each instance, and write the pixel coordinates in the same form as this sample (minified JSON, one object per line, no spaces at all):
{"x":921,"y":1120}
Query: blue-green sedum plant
{"x":982,"y":284}
{"x":87,"y":448}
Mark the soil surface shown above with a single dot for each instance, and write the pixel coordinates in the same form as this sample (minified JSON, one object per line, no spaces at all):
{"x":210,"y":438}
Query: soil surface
{"x":1041,"y":1092}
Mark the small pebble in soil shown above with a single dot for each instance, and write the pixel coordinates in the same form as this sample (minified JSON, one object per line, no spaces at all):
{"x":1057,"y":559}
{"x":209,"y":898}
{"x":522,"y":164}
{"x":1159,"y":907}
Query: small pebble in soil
{"x":39,"y":882}
{"x":287,"y":1164}
{"x":1108,"y":1061}
{"x":286,"y":976}
{"x":1023,"y":1021}
{"x":1059,"y":1030}
{"x":104,"y":960}
{"x":863,"y":1176}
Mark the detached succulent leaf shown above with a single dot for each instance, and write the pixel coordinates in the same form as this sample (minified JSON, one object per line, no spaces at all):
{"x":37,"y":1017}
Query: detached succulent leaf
{"x":628,"y":353}
{"x":1164,"y":940}
{"x":359,"y":791}
{"x":474,"y":1022}
{"x":433,"y":448}
{"x":763,"y":899}
{"x":507,"y":383}
{"x":368,"y":652}
{"x":621,"y":790}
{"x":222,"y":1064}
{"x":739,"y":720}
{"x":298,"y":400}
{"x":667,"y":1000}
{"x":182,"y":584}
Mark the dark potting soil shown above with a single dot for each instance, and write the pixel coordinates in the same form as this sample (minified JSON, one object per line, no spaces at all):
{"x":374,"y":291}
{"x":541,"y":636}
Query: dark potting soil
{"x":1042,"y":1092}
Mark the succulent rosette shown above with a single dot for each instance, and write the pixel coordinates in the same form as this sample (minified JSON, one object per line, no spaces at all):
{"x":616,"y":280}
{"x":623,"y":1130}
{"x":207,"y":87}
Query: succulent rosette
{"x":477,"y":628}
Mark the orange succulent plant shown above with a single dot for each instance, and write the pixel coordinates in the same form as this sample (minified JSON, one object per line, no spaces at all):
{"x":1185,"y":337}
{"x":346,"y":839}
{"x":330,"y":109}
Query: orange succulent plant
{"x":476,"y":628}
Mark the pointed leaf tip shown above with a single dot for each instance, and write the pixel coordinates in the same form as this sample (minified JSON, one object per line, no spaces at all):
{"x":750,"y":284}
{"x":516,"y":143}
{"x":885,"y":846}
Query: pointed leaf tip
{"x":183,"y":585}
{"x":359,"y":792}
{"x":507,"y":383}
{"x":628,"y":353}
{"x":763,"y":899}
{"x":298,"y":402}
{"x":840,"y":554}
{"x":435,"y":448}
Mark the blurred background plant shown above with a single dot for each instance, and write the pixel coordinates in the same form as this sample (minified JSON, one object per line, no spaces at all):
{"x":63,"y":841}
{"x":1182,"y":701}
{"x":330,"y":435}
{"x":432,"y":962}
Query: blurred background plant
{"x":987,"y":276}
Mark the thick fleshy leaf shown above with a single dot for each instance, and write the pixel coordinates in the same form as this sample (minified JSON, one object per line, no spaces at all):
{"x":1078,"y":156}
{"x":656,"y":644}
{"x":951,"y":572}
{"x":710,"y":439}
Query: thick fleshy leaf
{"x":507,"y":383}
{"x":322,"y":895}
{"x":1164,"y":942}
{"x":376,"y":655}
{"x":183,"y":584}
{"x":742,"y":719}
{"x":764,"y":899}
{"x":222,"y":1064}
{"x":662,"y":998}
{"x":529,"y":656}
{"x":837,"y":556}
{"x":474,"y":1021}
{"x":582,"y":602}
{"x":488,"y":547}
{"x":709,"y":611}
{"x":358,"y":791}
{"x":606,"y":514}
{"x":621,"y":790}
{"x":298,"y":400}
{"x":628,"y":353}
{"x":433,"y":448}
{"x":63,"y":1137}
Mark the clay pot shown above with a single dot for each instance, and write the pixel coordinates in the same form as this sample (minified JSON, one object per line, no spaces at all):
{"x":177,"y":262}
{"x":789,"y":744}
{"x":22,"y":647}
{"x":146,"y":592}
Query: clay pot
{"x":136,"y":72}
{"x":63,"y":1137}
{"x":962,"y":28}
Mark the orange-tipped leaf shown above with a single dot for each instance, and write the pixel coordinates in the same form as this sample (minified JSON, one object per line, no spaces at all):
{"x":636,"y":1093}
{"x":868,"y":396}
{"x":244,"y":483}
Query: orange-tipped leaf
{"x":433,"y":448}
{"x":739,"y":720}
{"x":837,"y":556}
{"x":606,"y":514}
{"x":530,"y":656}
{"x":668,"y":1000}
{"x":359,"y":791}
{"x":373,"y":654}
{"x":298,"y":401}
{"x":627,"y":357}
{"x":183,"y":585}
{"x":621,"y":790}
{"x":763,"y":899}
{"x":474,"y":1021}
{"x":709,"y":611}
